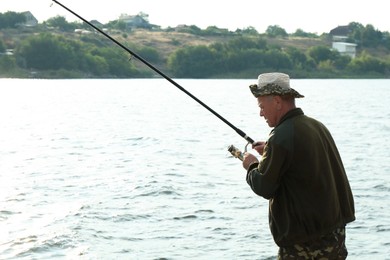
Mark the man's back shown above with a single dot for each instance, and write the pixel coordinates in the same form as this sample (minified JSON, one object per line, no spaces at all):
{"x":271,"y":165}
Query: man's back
{"x":314,"y":196}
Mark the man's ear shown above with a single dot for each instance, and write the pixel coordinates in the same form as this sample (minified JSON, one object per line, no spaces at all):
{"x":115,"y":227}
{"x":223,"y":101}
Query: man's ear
{"x":278,"y":100}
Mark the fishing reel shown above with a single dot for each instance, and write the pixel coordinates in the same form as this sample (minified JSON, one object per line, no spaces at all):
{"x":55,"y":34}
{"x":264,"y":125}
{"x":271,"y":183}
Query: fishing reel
{"x":236,"y":152}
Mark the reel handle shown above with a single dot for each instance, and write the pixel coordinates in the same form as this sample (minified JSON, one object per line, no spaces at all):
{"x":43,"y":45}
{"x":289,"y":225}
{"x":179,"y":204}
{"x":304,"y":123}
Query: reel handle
{"x":236,"y":152}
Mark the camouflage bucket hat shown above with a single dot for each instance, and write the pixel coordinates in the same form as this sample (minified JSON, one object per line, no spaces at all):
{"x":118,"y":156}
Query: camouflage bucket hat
{"x":274,"y":83}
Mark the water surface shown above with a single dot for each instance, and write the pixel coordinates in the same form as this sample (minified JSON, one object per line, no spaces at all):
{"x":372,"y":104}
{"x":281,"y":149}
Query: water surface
{"x":135,"y":169}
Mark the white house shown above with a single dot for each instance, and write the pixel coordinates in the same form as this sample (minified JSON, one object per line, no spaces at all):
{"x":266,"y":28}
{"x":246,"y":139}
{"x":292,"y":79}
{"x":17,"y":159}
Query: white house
{"x":339,"y":37}
{"x":345,"y":48}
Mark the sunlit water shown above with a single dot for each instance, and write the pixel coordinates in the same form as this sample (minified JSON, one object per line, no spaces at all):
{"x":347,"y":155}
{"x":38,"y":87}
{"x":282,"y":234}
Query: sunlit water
{"x":135,"y":169}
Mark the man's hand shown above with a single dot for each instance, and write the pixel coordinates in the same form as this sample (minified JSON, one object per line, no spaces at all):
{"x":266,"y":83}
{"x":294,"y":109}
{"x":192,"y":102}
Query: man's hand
{"x":248,"y":160}
{"x":259,"y":147}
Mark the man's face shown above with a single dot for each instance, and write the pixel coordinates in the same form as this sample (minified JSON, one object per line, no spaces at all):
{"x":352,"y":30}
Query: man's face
{"x":268,"y":109}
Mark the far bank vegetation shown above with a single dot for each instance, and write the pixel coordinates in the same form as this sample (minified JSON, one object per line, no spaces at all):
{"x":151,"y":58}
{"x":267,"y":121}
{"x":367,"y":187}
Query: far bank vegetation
{"x":59,"y":49}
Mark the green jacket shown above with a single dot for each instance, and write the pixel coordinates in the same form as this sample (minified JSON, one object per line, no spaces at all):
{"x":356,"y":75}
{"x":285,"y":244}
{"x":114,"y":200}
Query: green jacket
{"x":302,"y":175}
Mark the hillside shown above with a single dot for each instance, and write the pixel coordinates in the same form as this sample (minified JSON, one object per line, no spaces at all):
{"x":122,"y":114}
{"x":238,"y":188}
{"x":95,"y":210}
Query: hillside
{"x":167,"y":42}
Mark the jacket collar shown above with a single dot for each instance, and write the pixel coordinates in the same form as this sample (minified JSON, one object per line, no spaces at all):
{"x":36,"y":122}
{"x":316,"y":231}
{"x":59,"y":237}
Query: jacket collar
{"x":290,"y":114}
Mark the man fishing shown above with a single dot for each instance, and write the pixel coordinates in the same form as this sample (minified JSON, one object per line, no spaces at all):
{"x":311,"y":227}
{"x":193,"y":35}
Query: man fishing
{"x":300,"y":172}
{"x":302,"y":175}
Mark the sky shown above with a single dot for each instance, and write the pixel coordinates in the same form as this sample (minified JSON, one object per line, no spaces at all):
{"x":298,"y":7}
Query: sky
{"x":309,"y":15}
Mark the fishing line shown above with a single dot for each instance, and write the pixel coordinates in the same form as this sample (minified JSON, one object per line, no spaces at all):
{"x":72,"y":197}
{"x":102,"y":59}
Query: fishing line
{"x":133,"y":54}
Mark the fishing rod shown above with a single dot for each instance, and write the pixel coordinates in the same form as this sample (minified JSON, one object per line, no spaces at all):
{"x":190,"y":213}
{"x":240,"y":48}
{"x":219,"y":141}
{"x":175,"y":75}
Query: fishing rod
{"x":234,"y":151}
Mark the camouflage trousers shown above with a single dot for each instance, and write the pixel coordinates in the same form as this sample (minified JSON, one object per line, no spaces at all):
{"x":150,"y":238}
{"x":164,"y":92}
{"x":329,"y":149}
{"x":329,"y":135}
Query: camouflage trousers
{"x":328,"y":247}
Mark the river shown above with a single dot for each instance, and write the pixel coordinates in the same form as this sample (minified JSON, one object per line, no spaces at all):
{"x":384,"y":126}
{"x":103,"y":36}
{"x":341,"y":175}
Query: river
{"x":135,"y":169}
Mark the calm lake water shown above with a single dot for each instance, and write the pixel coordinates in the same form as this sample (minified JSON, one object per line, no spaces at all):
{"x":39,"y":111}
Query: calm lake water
{"x":135,"y":169}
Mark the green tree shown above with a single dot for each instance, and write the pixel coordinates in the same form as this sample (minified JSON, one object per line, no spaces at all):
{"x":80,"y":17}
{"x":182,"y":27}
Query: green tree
{"x":117,"y":24}
{"x":366,"y":63}
{"x":244,"y":43}
{"x":341,"y":62}
{"x":2,"y":46}
{"x":148,"y":53}
{"x":386,"y":40}
{"x":46,"y":52}
{"x":95,"y":64}
{"x":371,"y":36}
{"x":276,"y":31}
{"x":301,"y":33}
{"x":276,"y":59}
{"x":7,"y":63}
{"x":326,"y":65}
{"x":11,"y":19}
{"x":298,"y":58}
{"x":356,"y":34}
{"x":248,"y":31}
{"x":194,"y":61}
{"x":50,"y":52}
{"x":365,"y":36}
{"x":213,"y":30}
{"x":61,"y":23}
{"x":190,"y":29}
{"x":118,"y":63}
{"x":320,"y":53}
